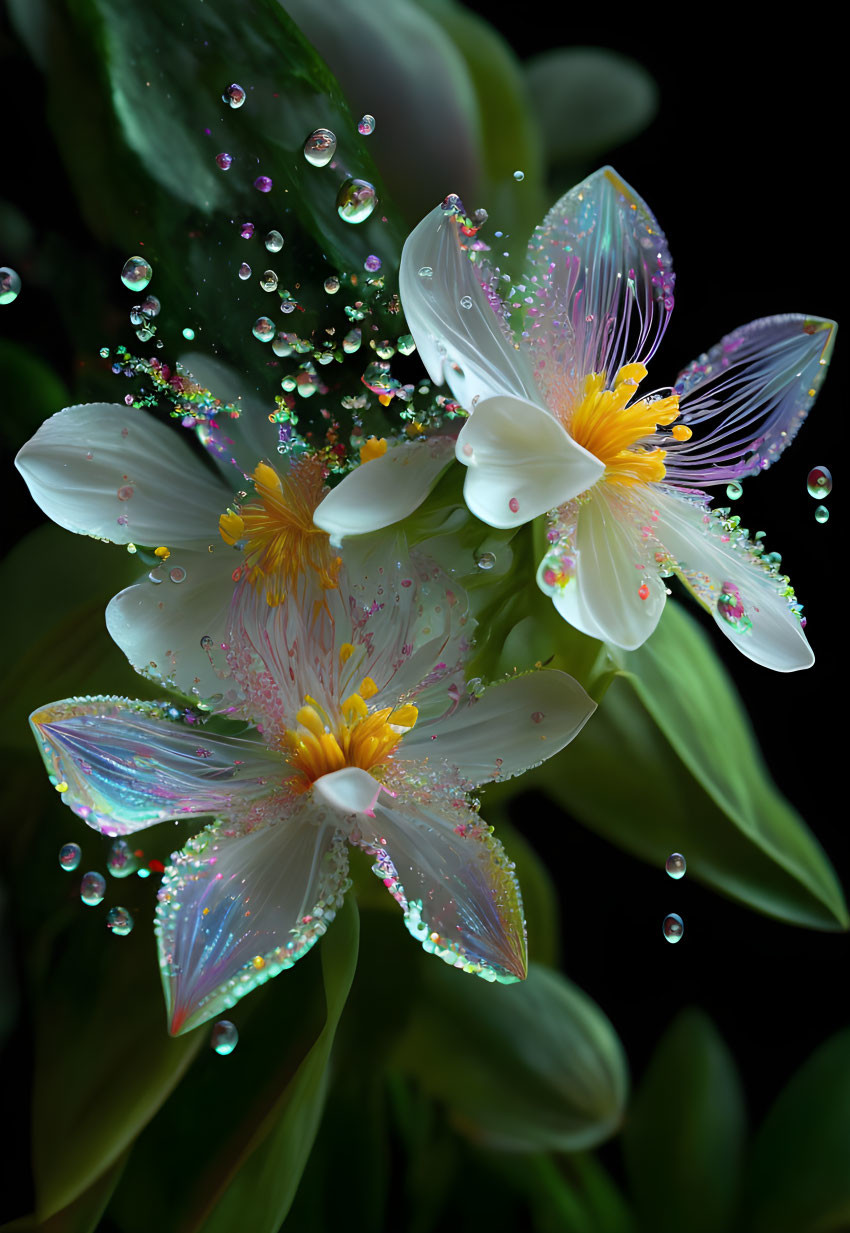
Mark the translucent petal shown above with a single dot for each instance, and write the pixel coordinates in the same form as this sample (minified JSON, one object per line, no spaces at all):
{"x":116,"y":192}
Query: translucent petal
{"x":237,"y":445}
{"x":746,"y":398}
{"x":453,"y":880}
{"x":126,"y":765}
{"x":115,"y":472}
{"x":349,"y":791}
{"x":458,"y":329}
{"x":236,"y":909}
{"x":381,"y":492}
{"x":509,"y":728}
{"x":520,"y":462}
{"x":601,"y":279}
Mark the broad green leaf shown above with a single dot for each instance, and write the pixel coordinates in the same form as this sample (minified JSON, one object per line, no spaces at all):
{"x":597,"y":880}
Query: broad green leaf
{"x":673,"y":724}
{"x":574,"y":1194}
{"x":31,"y":392}
{"x":799,"y":1175}
{"x":684,"y":1137}
{"x":81,"y":1216}
{"x":537,"y":1065}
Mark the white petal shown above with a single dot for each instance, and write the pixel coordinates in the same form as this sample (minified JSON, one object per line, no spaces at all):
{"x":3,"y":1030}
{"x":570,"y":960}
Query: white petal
{"x":81,"y":459}
{"x":173,"y":631}
{"x":460,"y":337}
{"x":378,"y":493}
{"x":236,"y":445}
{"x":348,"y":791}
{"x":521,"y":462}
{"x":775,"y":638}
{"x":235,"y":911}
{"x":604,"y":600}
{"x":509,"y":728}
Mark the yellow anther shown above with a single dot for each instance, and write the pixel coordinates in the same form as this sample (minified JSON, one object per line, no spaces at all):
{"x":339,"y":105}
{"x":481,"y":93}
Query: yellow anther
{"x":631,"y":372}
{"x":162,"y":553}
{"x":354,"y":705}
{"x":405,"y":716}
{"x":374,"y":448}
{"x":266,"y":477}
{"x":681,"y":432}
{"x":231,"y":528}
{"x":345,"y":652}
{"x":368,"y":688}
{"x":310,"y":719}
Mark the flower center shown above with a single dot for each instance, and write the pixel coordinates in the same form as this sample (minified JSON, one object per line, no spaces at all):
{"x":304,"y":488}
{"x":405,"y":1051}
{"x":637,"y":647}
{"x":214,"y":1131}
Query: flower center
{"x":276,"y":531}
{"x":607,"y":424}
{"x":319,"y":746}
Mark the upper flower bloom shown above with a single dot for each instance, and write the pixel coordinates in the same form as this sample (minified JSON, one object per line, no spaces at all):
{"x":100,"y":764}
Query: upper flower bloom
{"x":557,"y":423}
{"x":362,"y":733}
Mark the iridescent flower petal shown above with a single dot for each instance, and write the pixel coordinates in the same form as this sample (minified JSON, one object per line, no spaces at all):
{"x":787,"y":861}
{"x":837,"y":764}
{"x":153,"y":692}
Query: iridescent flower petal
{"x":234,"y":443}
{"x":349,"y":791}
{"x":116,"y":473}
{"x":512,"y":726}
{"x":459,"y":331}
{"x":520,"y":462}
{"x":453,"y":879}
{"x":746,"y":398}
{"x":236,"y":909}
{"x":122,"y":766}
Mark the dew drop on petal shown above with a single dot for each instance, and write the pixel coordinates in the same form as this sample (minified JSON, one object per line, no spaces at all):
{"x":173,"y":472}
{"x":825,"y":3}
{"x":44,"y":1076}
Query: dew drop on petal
{"x":537,"y":717}
{"x":734,"y":490}
{"x":125,"y":492}
{"x":69,"y":856}
{"x":366,"y":125}
{"x":332,"y":284}
{"x":136,"y":274}
{"x":224,"y":160}
{"x":730,"y":608}
{"x":673,"y":927}
{"x":268,"y":280}
{"x":486,"y":560}
{"x":119,"y":921}
{"x":155,"y":575}
{"x":320,"y":147}
{"x":356,"y":200}
{"x":122,"y":860}
{"x":821,"y":514}
{"x":233,"y":95}
{"x":224,"y":1037}
{"x":244,"y":271}
{"x":263,"y":184}
{"x":426,"y":271}
{"x":819,"y":482}
{"x":92,"y":889}
{"x":466,"y":301}
{"x":10,"y":284}
{"x":274,"y":241}
{"x":177,"y":574}
{"x":676,"y":865}
{"x":206,"y":642}
{"x":263,"y":329}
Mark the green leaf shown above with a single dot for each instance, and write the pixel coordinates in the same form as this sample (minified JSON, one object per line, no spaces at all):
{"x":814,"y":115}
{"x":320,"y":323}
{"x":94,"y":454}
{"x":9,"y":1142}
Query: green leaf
{"x":673,"y":724}
{"x":684,"y":1137}
{"x":537,"y":1065}
{"x":81,"y":1216}
{"x":574,"y":1194}
{"x":31,"y":392}
{"x":799,"y":1175}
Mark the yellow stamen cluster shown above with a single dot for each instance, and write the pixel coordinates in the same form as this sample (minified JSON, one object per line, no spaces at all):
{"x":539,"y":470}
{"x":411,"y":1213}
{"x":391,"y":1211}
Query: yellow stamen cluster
{"x":275,"y":527}
{"x":608,"y":425}
{"x":375,"y":447}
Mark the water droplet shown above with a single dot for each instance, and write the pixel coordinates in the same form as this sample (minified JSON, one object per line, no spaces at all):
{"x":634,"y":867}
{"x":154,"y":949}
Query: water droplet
{"x":486,"y":560}
{"x":155,"y":575}
{"x":537,"y":717}
{"x":125,"y":492}
{"x":734,"y":490}
{"x":366,"y":125}
{"x":224,"y":1037}
{"x":188,"y":333}
{"x":233,"y":95}
{"x":92,"y":889}
{"x":225,"y":161}
{"x":372,"y":263}
{"x":263,"y":184}
{"x":10,"y":284}
{"x":819,"y":482}
{"x":136,"y":274}
{"x":519,"y":175}
{"x":513,"y":505}
{"x":150,"y":306}
{"x":122,"y":860}
{"x":246,"y":231}
{"x":274,"y":241}
{"x":287,"y":306}
{"x":206,"y":642}
{"x":821,"y":514}
{"x":320,"y":147}
{"x":406,"y":345}
{"x":676,"y":865}
{"x":268,"y":280}
{"x":426,"y":271}
{"x":244,"y":271}
{"x":69,"y":856}
{"x":730,"y":607}
{"x":356,"y":200}
{"x":673,"y":927}
{"x":466,"y":301}
{"x":351,"y":342}
{"x":177,"y":574}
{"x":119,"y":921}
{"x":281,"y":346}
{"x":263,"y":329}
{"x":643,"y":591}
{"x":332,"y":284}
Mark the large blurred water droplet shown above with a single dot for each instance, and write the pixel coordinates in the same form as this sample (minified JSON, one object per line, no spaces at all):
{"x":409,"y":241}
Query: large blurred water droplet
{"x":224,"y":1037}
{"x":119,"y":921}
{"x":274,"y":241}
{"x":486,"y":560}
{"x":263,"y":329}
{"x":233,"y":95}
{"x":320,"y":147}
{"x":366,"y":125}
{"x":10,"y":284}
{"x":136,"y":274}
{"x":122,"y":860}
{"x":821,"y":514}
{"x":356,"y":200}
{"x":673,"y":927}
{"x":819,"y":482}
{"x":69,"y":856}
{"x":92,"y":889}
{"x":676,"y":865}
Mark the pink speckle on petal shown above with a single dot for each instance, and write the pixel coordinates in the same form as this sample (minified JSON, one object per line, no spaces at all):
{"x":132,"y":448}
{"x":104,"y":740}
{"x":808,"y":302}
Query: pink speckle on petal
{"x":513,"y":505}
{"x":538,"y":717}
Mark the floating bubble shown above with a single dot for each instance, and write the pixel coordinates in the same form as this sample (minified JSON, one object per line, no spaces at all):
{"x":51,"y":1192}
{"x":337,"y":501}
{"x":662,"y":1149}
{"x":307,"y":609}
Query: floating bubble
{"x":734,"y":490}
{"x":233,"y":95}
{"x":366,"y":125}
{"x":282,"y":346}
{"x":119,"y":921}
{"x":819,"y":482}
{"x":263,"y":329}
{"x":224,"y":1037}
{"x":274,"y":241}
{"x":122,"y":860}
{"x":246,"y":231}
{"x":676,"y":865}
{"x":69,"y":856}
{"x":821,"y":514}
{"x":673,"y":927}
{"x":92,"y":889}
{"x":730,"y":607}
{"x":244,"y":271}
{"x":519,"y":176}
{"x":332,"y":284}
{"x":486,"y":560}
{"x":10,"y":285}
{"x":188,"y":333}
{"x":150,"y":306}
{"x":268,"y":280}
{"x":263,"y":184}
{"x":320,"y":147}
{"x":356,"y":200}
{"x":136,"y":274}
{"x":225,"y":161}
